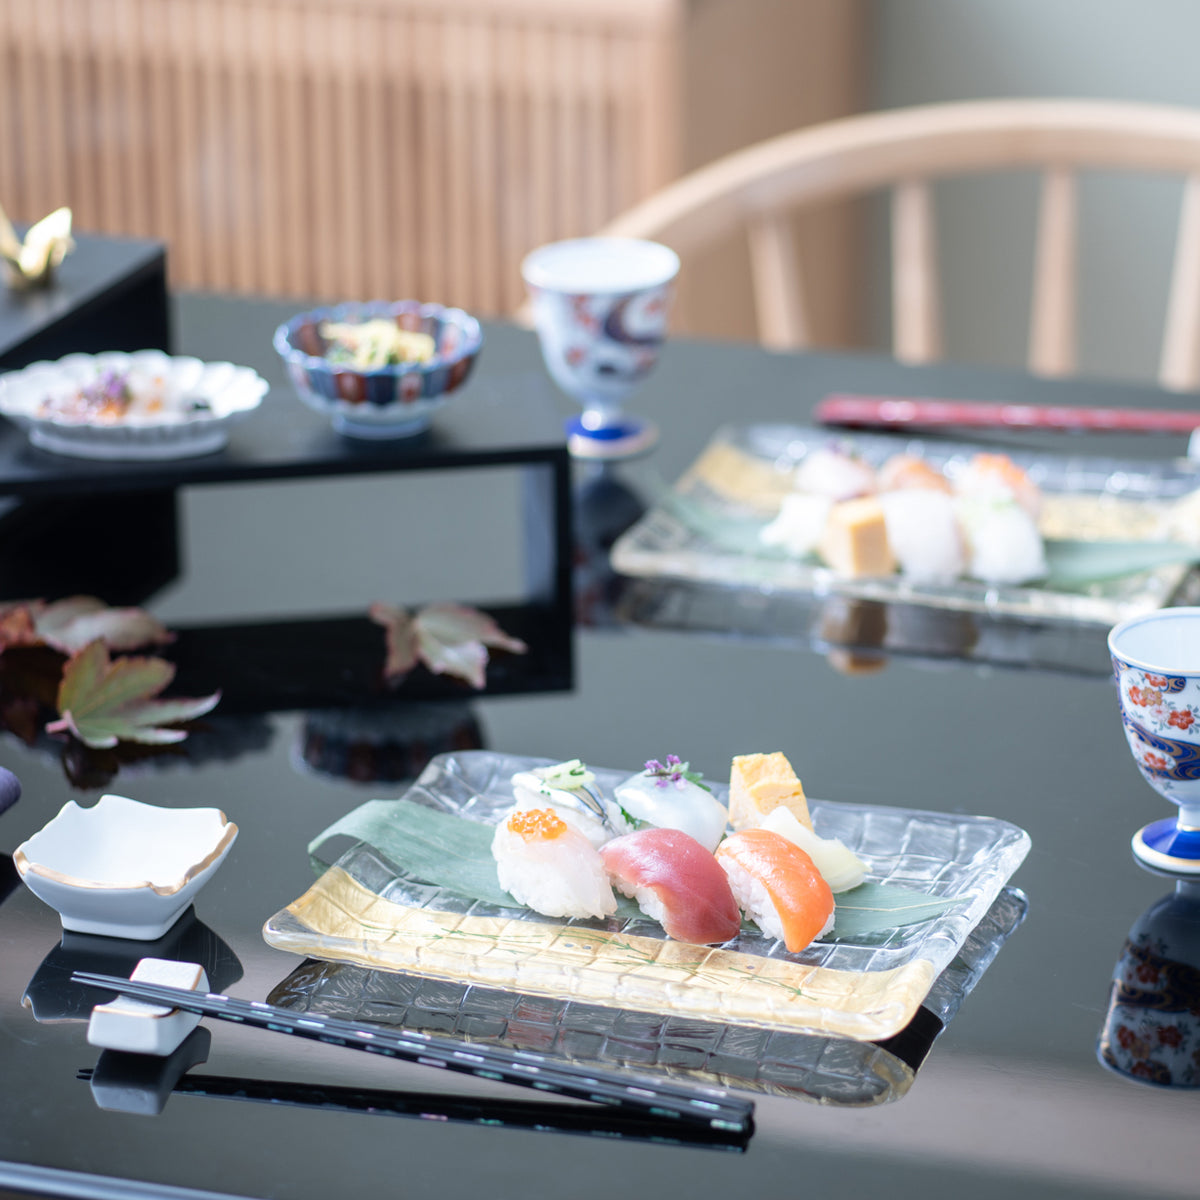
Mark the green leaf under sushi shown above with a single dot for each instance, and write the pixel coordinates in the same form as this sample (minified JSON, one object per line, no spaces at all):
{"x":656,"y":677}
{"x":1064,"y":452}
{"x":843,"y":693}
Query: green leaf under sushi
{"x":435,"y":846}
{"x":456,"y":853}
{"x":876,"y":907}
{"x":1077,"y":563}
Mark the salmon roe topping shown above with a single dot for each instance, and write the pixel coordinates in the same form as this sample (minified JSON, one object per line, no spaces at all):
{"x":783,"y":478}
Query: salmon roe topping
{"x":541,"y":823}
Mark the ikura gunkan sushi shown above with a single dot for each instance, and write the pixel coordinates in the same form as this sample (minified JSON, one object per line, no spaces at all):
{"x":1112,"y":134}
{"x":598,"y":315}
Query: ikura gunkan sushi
{"x":676,"y":882}
{"x":546,"y":865}
{"x":777,"y":886}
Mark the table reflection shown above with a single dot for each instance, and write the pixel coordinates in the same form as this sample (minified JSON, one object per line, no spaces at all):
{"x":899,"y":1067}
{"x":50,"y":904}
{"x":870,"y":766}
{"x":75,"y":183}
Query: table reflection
{"x":1151,"y":1031}
{"x":51,"y":995}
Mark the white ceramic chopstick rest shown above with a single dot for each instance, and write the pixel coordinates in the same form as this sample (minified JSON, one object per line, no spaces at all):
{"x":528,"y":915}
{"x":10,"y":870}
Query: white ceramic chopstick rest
{"x":143,"y":1028}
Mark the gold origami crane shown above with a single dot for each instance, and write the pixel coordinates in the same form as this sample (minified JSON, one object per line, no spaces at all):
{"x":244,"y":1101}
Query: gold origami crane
{"x":32,"y":262}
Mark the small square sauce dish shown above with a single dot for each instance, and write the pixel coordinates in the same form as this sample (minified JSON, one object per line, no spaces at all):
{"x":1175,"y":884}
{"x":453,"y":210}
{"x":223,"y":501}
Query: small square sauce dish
{"x":122,"y":868}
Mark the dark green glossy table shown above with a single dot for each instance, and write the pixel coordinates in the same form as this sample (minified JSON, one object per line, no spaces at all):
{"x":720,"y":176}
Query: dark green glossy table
{"x":1009,"y":1098}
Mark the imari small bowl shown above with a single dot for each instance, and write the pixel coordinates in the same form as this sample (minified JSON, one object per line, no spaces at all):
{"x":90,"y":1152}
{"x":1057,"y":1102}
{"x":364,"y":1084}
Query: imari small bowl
{"x":1156,"y":659}
{"x":397,"y":400}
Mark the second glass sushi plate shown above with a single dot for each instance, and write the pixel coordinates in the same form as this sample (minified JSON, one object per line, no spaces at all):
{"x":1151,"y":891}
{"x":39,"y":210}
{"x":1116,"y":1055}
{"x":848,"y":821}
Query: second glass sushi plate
{"x":706,"y":529}
{"x":364,"y":910}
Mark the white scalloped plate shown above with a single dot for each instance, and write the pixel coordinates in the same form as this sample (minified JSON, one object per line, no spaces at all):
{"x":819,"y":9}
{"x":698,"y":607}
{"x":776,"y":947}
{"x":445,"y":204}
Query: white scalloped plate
{"x":229,"y":390}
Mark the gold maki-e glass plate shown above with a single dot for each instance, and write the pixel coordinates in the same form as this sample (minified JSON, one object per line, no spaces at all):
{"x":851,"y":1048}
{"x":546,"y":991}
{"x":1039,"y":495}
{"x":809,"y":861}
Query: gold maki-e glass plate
{"x":365,"y":910}
{"x":705,"y":529}
{"x":814,"y":1068}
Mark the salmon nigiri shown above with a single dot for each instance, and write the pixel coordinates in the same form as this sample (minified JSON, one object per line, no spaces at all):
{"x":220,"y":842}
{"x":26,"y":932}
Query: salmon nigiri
{"x":676,"y":882}
{"x":777,"y":886}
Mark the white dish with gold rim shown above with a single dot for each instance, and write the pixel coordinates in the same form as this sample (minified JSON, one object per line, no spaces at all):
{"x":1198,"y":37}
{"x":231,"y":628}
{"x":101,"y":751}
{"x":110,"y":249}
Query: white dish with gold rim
{"x":122,"y":868}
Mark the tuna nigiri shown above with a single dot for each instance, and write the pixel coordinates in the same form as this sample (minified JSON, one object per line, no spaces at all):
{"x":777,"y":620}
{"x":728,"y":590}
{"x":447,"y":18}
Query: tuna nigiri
{"x":777,"y":886}
{"x":676,"y":882}
{"x":546,"y":865}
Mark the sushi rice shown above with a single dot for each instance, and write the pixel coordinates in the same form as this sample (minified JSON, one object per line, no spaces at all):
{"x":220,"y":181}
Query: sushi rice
{"x":755,"y":901}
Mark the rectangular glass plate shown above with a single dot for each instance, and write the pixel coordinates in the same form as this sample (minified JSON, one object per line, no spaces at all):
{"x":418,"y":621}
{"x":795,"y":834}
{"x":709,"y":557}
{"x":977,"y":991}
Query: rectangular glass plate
{"x":364,"y":910}
{"x":822,"y":1070}
{"x":746,"y":470}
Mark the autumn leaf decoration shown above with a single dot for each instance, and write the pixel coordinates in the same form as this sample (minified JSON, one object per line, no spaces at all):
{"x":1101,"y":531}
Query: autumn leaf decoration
{"x":104,"y":701}
{"x":450,"y":639}
{"x":69,"y":625}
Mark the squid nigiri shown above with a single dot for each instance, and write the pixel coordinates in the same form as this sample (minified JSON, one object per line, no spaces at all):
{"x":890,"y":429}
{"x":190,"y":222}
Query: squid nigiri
{"x":670,"y":796}
{"x":676,"y":882}
{"x":546,"y":865}
{"x":777,"y":886}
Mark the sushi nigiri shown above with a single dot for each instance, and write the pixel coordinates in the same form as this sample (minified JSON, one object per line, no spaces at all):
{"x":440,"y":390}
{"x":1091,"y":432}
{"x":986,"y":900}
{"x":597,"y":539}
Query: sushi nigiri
{"x":907,"y":471}
{"x":777,"y":886}
{"x":546,"y":865}
{"x":1005,"y":545}
{"x":669,"y":796}
{"x":836,"y":473}
{"x":676,"y":882}
{"x":997,"y":477}
{"x":924,"y":534}
{"x":569,"y":788}
{"x":800,"y":523}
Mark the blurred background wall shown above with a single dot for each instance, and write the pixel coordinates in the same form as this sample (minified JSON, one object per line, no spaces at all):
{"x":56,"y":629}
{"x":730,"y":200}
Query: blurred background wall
{"x":928,"y":51}
{"x":337,"y":149}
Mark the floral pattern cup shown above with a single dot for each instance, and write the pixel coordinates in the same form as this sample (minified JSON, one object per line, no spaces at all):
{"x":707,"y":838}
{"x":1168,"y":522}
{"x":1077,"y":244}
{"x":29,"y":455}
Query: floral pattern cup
{"x":1156,"y":659}
{"x":600,"y":307}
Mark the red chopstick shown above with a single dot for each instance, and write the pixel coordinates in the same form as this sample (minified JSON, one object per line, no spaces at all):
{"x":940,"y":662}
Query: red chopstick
{"x":902,"y":412}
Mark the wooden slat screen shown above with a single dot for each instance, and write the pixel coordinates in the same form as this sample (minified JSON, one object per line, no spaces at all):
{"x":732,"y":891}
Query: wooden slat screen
{"x":337,"y":149}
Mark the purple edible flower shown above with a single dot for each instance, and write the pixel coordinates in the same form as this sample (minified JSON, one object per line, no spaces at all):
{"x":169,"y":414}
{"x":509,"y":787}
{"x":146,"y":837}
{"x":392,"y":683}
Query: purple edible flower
{"x":675,"y":771}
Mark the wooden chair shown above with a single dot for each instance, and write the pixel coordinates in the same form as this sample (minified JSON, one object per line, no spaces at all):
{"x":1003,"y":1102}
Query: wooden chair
{"x":906,"y":150}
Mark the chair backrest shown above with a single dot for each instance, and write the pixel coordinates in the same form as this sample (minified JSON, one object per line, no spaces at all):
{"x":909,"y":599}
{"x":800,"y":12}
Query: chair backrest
{"x":905,"y":150}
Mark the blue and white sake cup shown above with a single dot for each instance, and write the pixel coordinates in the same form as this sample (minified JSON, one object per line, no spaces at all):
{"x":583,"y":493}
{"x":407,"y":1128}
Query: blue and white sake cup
{"x":600,"y":307}
{"x":1156,"y":659}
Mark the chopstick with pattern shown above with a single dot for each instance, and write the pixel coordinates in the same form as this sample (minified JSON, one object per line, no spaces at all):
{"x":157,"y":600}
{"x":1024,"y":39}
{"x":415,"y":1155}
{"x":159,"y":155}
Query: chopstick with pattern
{"x":711,"y":1106}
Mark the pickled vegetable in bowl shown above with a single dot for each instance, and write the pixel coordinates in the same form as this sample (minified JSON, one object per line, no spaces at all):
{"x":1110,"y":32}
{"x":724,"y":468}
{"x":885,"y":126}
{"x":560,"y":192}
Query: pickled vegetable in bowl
{"x":379,"y":369}
{"x":379,"y":342}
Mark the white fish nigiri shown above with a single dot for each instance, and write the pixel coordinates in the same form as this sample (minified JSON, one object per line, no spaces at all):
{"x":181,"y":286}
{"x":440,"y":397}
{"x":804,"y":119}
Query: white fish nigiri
{"x":835,"y":473}
{"x":676,"y":882}
{"x":669,"y":796}
{"x":1005,"y":543}
{"x":800,"y":523}
{"x":924,"y":534}
{"x":569,"y":788}
{"x":546,"y":865}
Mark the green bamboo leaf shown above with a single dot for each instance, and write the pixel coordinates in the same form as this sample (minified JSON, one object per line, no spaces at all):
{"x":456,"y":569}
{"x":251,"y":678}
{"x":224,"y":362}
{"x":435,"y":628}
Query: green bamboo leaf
{"x":876,"y":907}
{"x":1075,"y":563}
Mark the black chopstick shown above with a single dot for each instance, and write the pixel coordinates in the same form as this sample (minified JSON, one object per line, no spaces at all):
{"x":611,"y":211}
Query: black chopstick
{"x":713,"y":1107}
